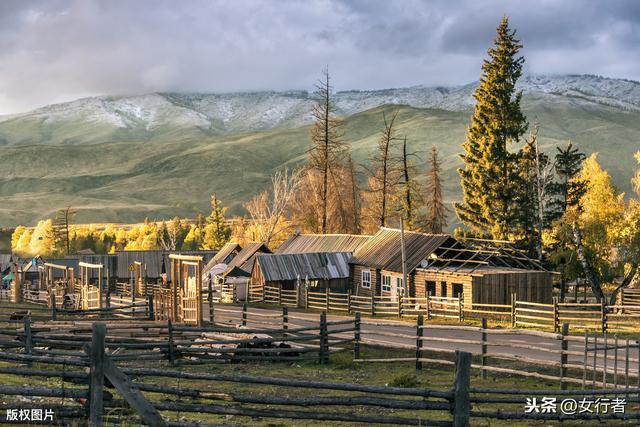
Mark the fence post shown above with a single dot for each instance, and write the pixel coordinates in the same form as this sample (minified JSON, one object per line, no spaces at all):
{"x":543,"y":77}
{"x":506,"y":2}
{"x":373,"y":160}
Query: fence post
{"x":244,"y":314}
{"x":306,"y":297}
{"x":150,"y":307}
{"x":323,"y":337}
{"x":356,"y":336}
{"x":28,"y":341}
{"x":603,"y":316}
{"x":348,"y":301}
{"x":212,"y":314}
{"x":399,"y":306}
{"x":373,"y":304}
{"x":210,"y":301}
{"x":556,"y":315}
{"x":483,"y":357}
{"x":326,"y":298}
{"x":460,"y":315}
{"x":429,"y":305}
{"x":419,"y":334}
{"x":96,"y":374}
{"x":563,"y":356}
{"x":285,"y":319}
{"x":53,"y":306}
{"x":280,"y":294}
{"x":513,"y":309}
{"x":461,"y":404}
{"x":172,"y":356}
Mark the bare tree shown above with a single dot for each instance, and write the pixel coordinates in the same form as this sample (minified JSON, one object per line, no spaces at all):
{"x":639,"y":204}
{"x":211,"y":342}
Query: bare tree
{"x":410,"y":195}
{"x":328,"y":149}
{"x":268,"y":208}
{"x":62,"y":228}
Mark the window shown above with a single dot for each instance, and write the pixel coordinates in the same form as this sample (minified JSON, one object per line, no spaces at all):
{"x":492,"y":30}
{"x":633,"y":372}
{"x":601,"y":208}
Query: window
{"x":386,"y":283}
{"x":457,"y":290}
{"x":400,"y":285}
{"x":430,"y":287}
{"x":443,"y":289}
{"x":366,"y":278}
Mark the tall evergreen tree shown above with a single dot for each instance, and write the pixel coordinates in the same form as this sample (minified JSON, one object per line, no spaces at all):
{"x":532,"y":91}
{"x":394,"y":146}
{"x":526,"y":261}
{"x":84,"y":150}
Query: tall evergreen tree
{"x":436,"y":219}
{"x":216,"y":232}
{"x":567,"y":190}
{"x":489,"y":179}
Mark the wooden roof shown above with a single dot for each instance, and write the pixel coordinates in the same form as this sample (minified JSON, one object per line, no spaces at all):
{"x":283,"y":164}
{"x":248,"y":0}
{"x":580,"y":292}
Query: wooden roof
{"x":245,"y":258}
{"x":306,"y":243}
{"x":153,"y":260}
{"x":383,"y":250}
{"x":312,"y":266}
{"x":224,"y":252}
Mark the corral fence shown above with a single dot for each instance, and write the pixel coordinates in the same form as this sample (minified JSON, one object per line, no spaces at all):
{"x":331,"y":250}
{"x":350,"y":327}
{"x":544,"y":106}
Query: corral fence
{"x":152,"y":395}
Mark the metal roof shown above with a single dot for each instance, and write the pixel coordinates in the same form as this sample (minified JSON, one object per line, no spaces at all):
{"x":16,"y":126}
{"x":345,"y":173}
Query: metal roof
{"x":318,"y":265}
{"x":305,"y":243}
{"x":383,"y":250}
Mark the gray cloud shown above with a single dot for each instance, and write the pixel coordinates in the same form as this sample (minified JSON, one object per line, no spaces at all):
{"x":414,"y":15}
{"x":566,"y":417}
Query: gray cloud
{"x":52,"y":51}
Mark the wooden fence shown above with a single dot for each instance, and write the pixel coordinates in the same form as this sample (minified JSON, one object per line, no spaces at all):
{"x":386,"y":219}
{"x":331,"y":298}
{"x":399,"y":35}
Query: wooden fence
{"x":145,"y":392}
{"x":599,"y":362}
{"x":588,"y":316}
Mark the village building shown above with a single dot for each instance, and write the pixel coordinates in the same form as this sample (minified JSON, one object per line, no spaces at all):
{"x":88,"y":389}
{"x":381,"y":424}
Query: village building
{"x":309,"y":243}
{"x":439,"y":265}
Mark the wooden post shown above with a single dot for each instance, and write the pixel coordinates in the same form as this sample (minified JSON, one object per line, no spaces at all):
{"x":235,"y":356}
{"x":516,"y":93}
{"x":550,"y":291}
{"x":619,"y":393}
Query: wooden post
{"x":356,"y":336}
{"x":626,"y":367}
{"x":306,"y":297}
{"x":28,"y":340}
{"x":419,"y":335}
{"x":400,"y":306}
{"x":615,"y":361}
{"x":172,"y":356}
{"x":150,"y":307}
{"x":198,"y":273}
{"x":604,"y":370}
{"x":595,"y":361}
{"x":244,"y":314}
{"x":324,"y":344}
{"x":556,"y":316}
{"x":483,"y":357}
{"x":326,"y":298}
{"x":96,"y":374}
{"x":584,"y":361}
{"x":285,"y":318}
{"x":107,"y":298}
{"x":373,"y":304}
{"x":514,"y":321}
{"x":460,"y":313}
{"x":603,"y":316}
{"x":461,"y":401}
{"x":348,"y":301}
{"x":53,"y":306}
{"x":280,"y":294}
{"x":429,"y":305}
{"x":564,"y":356}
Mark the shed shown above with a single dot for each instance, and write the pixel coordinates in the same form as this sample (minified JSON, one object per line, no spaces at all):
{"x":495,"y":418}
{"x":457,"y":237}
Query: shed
{"x":156,"y":261}
{"x":223,"y":256}
{"x":317,"y":270}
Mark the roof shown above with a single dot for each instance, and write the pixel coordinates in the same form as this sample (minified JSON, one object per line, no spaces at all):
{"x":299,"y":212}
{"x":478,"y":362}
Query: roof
{"x":313,"y":266}
{"x":221,"y":256}
{"x":153,"y":260}
{"x":245,"y":258}
{"x":305,"y":243}
{"x":383,"y":250}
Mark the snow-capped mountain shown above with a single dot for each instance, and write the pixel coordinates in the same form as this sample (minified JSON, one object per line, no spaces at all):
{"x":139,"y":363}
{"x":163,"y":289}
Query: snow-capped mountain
{"x":249,"y":111}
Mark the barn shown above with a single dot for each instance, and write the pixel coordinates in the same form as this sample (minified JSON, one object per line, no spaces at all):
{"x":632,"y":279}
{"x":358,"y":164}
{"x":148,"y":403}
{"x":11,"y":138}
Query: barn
{"x":440,"y":265}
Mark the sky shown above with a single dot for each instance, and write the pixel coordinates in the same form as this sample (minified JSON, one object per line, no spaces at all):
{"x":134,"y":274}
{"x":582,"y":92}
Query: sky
{"x":59,"y":50}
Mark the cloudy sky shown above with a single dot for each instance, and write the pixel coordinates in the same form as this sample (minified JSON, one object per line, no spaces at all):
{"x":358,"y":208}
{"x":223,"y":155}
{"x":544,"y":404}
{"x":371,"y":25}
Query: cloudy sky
{"x":56,"y":50}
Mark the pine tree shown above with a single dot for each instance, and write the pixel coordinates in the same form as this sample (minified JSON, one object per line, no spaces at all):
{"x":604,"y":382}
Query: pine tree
{"x":567,"y":190}
{"x":489,"y":179}
{"x":328,"y":151}
{"x":216,"y":232}
{"x":436,"y":219}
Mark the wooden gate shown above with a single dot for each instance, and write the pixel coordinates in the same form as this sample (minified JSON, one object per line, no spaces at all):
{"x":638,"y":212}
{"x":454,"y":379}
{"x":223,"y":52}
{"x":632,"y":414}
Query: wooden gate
{"x":186,"y":288}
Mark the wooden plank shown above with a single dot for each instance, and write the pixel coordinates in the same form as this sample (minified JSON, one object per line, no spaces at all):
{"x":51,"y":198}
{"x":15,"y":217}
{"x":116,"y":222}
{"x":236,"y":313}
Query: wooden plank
{"x":96,"y":372}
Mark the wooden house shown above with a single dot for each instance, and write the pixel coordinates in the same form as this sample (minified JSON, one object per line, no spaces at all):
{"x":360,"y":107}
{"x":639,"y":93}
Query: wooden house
{"x":232,"y":279}
{"x":315,"y":271}
{"x":310,"y":243}
{"x":440,"y":265}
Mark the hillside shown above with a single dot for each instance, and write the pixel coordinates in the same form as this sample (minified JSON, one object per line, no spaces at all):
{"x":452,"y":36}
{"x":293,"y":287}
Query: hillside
{"x":159,"y":155}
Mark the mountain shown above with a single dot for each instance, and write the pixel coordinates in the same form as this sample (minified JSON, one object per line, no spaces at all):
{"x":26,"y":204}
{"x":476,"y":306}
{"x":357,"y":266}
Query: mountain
{"x":121,"y":158}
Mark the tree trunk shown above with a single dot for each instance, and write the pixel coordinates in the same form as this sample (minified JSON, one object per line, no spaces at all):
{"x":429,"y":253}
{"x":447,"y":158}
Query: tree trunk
{"x":590,"y":275}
